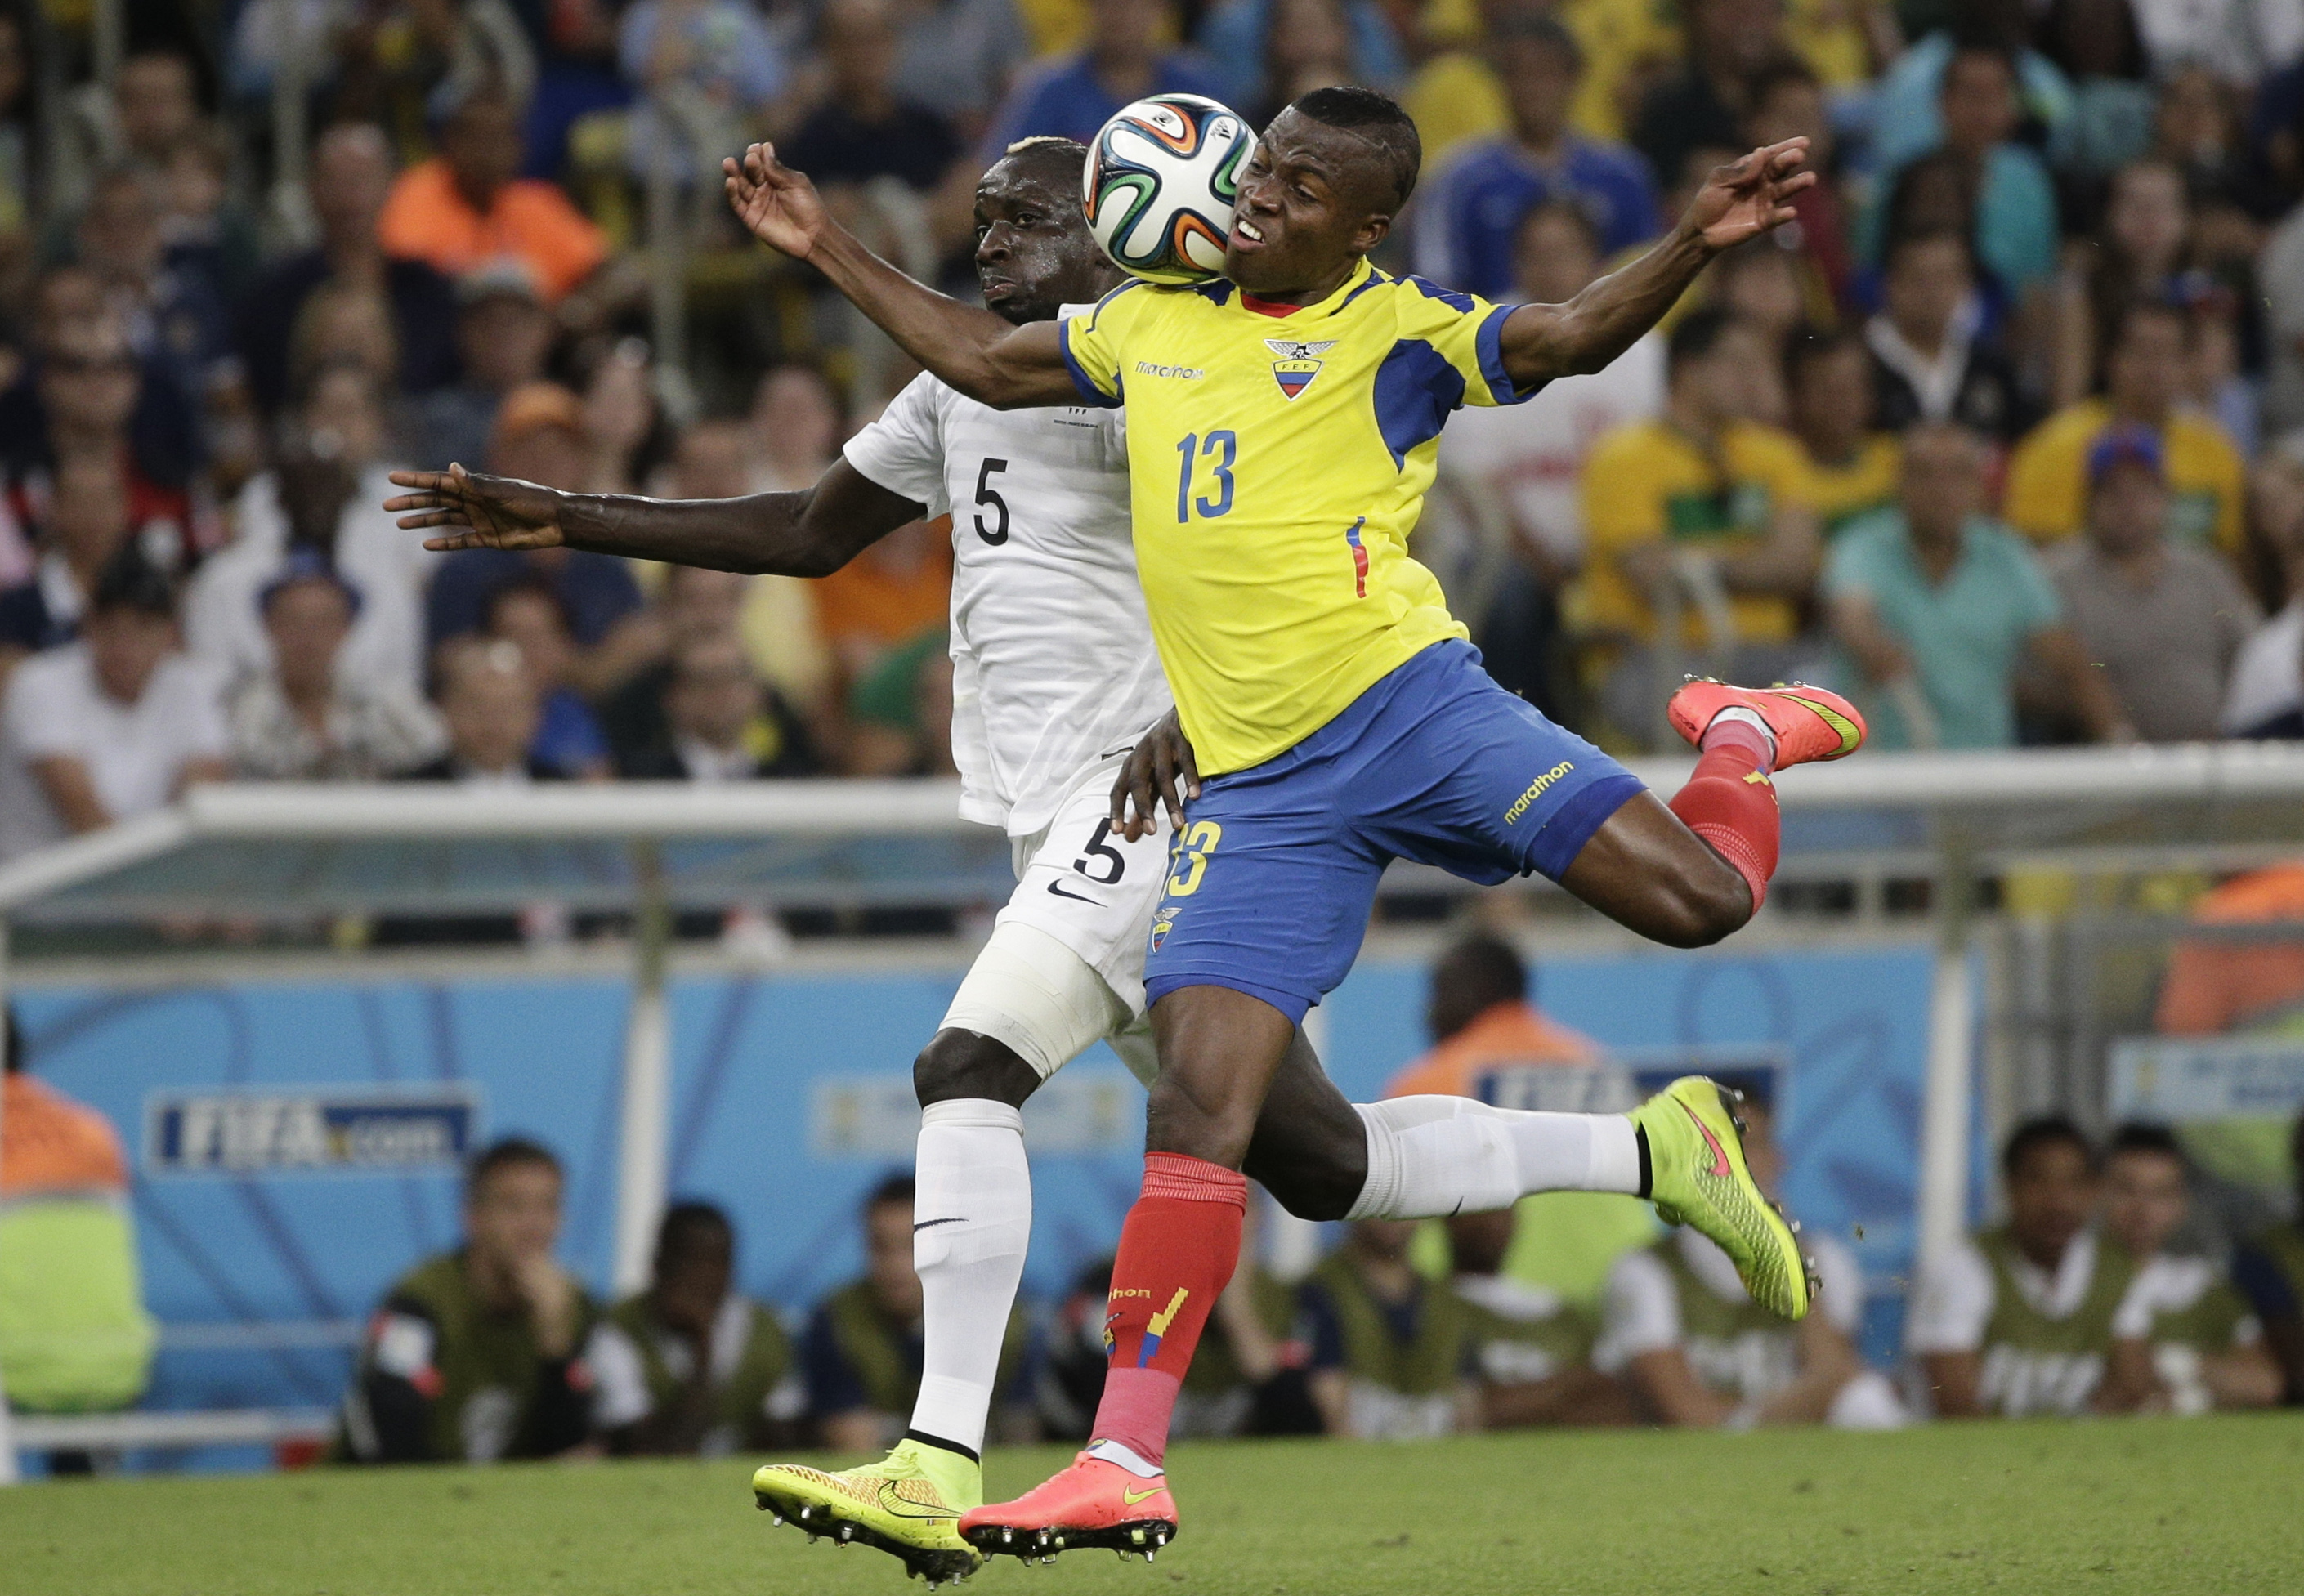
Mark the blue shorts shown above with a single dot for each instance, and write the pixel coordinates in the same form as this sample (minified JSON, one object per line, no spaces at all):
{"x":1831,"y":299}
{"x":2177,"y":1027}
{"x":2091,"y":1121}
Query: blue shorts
{"x":1272,"y":876}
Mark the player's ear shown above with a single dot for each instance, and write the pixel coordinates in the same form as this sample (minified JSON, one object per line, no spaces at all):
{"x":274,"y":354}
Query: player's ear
{"x":1372,"y":231}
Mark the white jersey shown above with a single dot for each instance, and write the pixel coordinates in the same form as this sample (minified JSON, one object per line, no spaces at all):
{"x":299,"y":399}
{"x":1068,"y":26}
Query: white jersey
{"x":1053,"y":668}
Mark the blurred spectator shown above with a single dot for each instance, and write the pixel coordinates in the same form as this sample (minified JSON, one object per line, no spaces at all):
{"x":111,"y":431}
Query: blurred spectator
{"x":1728,"y":42}
{"x":466,"y":207}
{"x":2238,"y":40}
{"x":957,"y":57}
{"x":2270,"y":1268}
{"x":1490,"y":1041}
{"x":899,"y":712}
{"x":1765,"y":286}
{"x":306,"y":718}
{"x":2048,"y":476}
{"x":1931,"y":359}
{"x":22,"y":157}
{"x":689,"y":1366}
{"x":722,"y":724}
{"x":706,"y":73}
{"x":864,"y":129}
{"x":87,"y":524}
{"x":1513,"y":484}
{"x":1907,"y":119}
{"x":2096,"y":44}
{"x":351,"y":176}
{"x":2279,"y":273}
{"x":1699,"y":517}
{"x":1390,"y":1349}
{"x":539,"y":437}
{"x":1788,"y":102}
{"x":408,"y":63}
{"x":1683,"y":1333}
{"x":1936,"y":606}
{"x":503,"y":334}
{"x":1469,"y":221}
{"x":74,"y":1336}
{"x":111,"y":727}
{"x":2017,"y":1321}
{"x":1257,"y":49}
{"x":893,"y":595}
{"x":326,"y":494}
{"x":1853,"y":470}
{"x":2185,"y":1340}
{"x":529,"y":614}
{"x":203,"y":233}
{"x":795,"y":425}
{"x":1531,"y":1348}
{"x":690,"y":604}
{"x":861,"y":1355}
{"x":475,"y":1355}
{"x":791,"y":435}
{"x":2014,"y":200}
{"x":2242,"y":979}
{"x":155,"y":105}
{"x":2264,"y":697}
{"x":488,"y":704}
{"x":174,"y":317}
{"x":1127,"y":56}
{"x":622,"y":423}
{"x":2140,"y":251}
{"x":2163,"y":621}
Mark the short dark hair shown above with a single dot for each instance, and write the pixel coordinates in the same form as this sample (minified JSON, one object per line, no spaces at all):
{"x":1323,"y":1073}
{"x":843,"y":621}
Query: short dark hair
{"x":1809,"y":342}
{"x":1473,"y":977}
{"x":2136,"y":1136}
{"x":131,"y":582}
{"x":2044,"y":1130}
{"x":1783,"y":69}
{"x":1377,"y":118}
{"x":504,"y":1154}
{"x":1534,"y":28}
{"x":1562,"y":206}
{"x":526,"y":584}
{"x":1901,"y":243}
{"x":689,"y":1229}
{"x":1698,"y":333}
{"x":896,"y":1188}
{"x":15,"y":1039}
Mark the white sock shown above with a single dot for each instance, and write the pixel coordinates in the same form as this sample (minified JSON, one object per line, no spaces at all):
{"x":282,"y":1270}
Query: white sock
{"x":1430,"y":1157}
{"x":1112,"y":1451}
{"x":1751,"y":717}
{"x":972,"y":1220}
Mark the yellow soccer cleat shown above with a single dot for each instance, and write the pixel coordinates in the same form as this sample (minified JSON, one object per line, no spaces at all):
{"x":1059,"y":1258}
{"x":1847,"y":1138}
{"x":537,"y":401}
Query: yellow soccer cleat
{"x":907,"y":1504}
{"x":1697,"y":1176}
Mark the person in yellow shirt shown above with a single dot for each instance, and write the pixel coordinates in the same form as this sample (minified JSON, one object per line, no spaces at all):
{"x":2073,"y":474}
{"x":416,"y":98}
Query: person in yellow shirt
{"x":1705,"y":514}
{"x":1852,"y":470}
{"x":2207,"y":484}
{"x":1457,"y":95}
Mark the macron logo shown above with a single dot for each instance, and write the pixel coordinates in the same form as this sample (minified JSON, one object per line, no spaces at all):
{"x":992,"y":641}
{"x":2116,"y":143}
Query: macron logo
{"x":1535,"y":790}
{"x":1190,"y":374}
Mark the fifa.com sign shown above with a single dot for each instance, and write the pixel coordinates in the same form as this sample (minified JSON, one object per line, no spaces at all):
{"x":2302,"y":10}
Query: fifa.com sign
{"x":302,"y":1130}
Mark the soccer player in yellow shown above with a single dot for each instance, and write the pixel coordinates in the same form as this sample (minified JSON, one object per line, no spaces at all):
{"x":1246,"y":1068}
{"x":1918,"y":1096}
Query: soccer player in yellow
{"x":1282,"y":424}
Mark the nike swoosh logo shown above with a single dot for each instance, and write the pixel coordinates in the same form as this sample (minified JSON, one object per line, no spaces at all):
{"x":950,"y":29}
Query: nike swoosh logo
{"x":1129,"y":1498}
{"x":896,"y":1507}
{"x":924,"y":1224}
{"x":1057,"y":888}
{"x":1721,"y":1168}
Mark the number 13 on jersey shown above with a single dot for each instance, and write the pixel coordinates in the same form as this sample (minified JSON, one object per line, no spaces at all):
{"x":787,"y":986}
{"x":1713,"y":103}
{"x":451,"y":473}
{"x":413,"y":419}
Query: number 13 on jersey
{"x":1217,"y":451}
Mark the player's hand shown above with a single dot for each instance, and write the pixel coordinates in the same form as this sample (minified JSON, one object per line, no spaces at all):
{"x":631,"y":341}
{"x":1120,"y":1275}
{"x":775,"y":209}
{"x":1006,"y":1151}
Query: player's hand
{"x":495,"y":512}
{"x":1159,"y":770}
{"x":780,"y":206}
{"x":1747,"y":198}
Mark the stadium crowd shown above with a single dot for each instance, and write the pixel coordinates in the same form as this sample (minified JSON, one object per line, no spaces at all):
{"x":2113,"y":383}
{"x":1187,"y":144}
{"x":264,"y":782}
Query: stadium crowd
{"x":2006,"y":435}
{"x":2105,"y":1289}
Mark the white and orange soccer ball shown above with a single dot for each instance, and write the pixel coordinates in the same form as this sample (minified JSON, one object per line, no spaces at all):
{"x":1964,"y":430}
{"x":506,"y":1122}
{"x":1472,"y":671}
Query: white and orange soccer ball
{"x":1160,"y":184}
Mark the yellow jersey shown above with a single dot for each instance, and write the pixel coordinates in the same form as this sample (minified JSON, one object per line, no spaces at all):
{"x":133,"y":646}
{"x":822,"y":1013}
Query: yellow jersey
{"x":1277,"y":464}
{"x":2207,"y":485}
{"x":1648,"y":481}
{"x":1840,"y":494}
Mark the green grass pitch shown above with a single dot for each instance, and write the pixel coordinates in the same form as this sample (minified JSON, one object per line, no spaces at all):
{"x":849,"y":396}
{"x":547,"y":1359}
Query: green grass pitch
{"x":2153,"y":1506}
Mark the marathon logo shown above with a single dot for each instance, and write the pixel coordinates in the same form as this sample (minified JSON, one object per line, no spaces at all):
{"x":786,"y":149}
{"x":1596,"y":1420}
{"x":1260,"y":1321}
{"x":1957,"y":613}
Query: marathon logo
{"x":1535,"y":790}
{"x":295,"y":1131}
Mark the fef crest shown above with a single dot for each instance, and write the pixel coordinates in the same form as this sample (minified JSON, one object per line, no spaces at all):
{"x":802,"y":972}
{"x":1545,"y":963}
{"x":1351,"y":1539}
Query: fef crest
{"x":1298,"y":362}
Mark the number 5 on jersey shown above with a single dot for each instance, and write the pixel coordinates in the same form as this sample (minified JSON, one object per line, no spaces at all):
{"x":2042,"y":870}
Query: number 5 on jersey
{"x":1194,"y":844}
{"x":1219,"y":451}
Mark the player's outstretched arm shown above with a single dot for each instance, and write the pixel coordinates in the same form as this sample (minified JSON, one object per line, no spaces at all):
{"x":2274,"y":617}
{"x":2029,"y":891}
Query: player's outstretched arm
{"x":1739,"y":201}
{"x":809,"y":533}
{"x":1005,"y":366}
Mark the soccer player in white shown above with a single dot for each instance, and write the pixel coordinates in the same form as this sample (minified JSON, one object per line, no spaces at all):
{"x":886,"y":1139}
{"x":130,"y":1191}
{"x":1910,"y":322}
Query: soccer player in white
{"x":1056,"y":679}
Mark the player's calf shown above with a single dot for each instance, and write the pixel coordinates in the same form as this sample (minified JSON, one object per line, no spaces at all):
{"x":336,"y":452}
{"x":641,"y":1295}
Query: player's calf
{"x":958,"y":1064}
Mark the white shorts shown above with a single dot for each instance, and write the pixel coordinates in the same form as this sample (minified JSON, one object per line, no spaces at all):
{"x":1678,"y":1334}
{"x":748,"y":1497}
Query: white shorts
{"x":1064,"y":967}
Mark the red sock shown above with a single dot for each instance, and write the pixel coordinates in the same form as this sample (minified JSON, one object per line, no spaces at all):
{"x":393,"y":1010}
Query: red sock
{"x":1730,"y":803}
{"x":1176,"y":1252}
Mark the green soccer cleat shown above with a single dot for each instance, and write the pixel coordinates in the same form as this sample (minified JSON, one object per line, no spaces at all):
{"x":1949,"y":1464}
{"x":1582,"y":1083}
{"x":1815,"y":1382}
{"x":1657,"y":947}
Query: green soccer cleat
{"x":1696,"y":1177}
{"x":907,"y":1504}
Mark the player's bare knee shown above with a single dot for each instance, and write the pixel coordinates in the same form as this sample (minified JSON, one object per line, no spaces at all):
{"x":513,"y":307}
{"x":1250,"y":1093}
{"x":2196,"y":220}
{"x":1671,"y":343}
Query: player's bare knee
{"x":957,"y":1064}
{"x":1700,"y":907}
{"x":1212,"y":1125}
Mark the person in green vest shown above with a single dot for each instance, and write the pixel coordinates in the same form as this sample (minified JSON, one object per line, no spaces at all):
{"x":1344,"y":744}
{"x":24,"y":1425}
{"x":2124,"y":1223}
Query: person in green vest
{"x":1679,"y":1327}
{"x":475,"y":1355}
{"x":860,"y":1355}
{"x":2270,"y":1271}
{"x":1531,"y":1347}
{"x":1390,"y":1350}
{"x":2018,"y":1321}
{"x":689,"y":1367}
{"x":2186,"y":1340}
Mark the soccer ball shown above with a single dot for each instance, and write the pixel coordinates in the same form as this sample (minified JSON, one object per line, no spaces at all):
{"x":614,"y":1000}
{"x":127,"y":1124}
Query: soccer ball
{"x":1160,"y":183}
